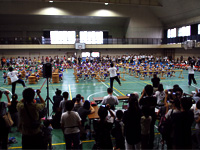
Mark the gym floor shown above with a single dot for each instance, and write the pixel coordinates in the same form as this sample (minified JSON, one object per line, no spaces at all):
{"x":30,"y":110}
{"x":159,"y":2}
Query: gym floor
{"x":92,"y":88}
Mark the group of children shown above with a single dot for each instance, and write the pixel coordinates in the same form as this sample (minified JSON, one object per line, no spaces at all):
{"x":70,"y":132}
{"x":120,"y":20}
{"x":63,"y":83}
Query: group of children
{"x":92,"y":70}
{"x":24,"y":71}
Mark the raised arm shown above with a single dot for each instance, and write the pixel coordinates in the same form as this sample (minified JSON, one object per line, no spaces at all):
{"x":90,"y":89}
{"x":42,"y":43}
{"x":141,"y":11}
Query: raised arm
{"x":8,"y":98}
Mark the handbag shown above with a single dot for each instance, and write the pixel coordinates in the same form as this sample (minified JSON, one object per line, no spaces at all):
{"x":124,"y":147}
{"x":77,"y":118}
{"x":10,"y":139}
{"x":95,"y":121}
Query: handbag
{"x":8,"y":120}
{"x":5,"y":115}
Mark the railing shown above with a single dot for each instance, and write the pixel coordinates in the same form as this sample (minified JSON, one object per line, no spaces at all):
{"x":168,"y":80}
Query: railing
{"x":180,"y":39}
{"x":39,"y":40}
{"x":36,"y":40}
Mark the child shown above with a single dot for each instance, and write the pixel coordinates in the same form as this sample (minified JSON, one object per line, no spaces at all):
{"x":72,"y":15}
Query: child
{"x":4,"y":76}
{"x":60,"y":74}
{"x":27,"y":74}
{"x":118,"y":131}
{"x":47,"y":134}
{"x":145,"y":128}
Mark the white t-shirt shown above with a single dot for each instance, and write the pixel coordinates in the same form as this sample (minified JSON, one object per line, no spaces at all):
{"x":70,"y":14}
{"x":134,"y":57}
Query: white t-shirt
{"x":13,"y":76}
{"x":160,"y":97}
{"x":70,"y":122}
{"x":112,"y":71}
{"x":191,"y":70}
{"x":111,"y":100}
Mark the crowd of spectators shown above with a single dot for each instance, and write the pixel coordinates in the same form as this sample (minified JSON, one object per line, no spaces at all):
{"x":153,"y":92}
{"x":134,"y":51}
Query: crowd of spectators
{"x":132,"y":128}
{"x":104,"y":58}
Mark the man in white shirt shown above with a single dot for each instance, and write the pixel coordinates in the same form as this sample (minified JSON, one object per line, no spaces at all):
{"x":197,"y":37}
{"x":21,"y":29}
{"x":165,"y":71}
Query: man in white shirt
{"x":110,"y":99}
{"x":14,"y":79}
{"x":63,"y":102}
{"x":113,"y":75}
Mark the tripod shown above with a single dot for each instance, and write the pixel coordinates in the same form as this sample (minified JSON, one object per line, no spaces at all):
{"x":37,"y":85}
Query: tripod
{"x":48,"y":98}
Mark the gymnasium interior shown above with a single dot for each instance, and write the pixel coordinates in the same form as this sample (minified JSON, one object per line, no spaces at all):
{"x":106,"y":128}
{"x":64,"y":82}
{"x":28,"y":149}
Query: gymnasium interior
{"x":99,"y":28}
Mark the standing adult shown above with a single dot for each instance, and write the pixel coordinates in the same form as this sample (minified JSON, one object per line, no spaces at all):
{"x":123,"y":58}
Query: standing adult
{"x":4,"y":130}
{"x":181,"y":124}
{"x":14,"y":79}
{"x":63,"y":102}
{"x":191,"y":74}
{"x":156,"y":81}
{"x":147,"y":100}
{"x":132,"y":127}
{"x":113,"y":75}
{"x":70,"y":122}
{"x":29,"y":120}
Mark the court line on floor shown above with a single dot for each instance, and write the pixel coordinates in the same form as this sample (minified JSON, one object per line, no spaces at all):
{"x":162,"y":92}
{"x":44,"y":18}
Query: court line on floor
{"x":108,"y":87}
{"x":88,"y":98}
{"x":6,"y":90}
{"x":70,"y":92}
{"x":195,"y":86}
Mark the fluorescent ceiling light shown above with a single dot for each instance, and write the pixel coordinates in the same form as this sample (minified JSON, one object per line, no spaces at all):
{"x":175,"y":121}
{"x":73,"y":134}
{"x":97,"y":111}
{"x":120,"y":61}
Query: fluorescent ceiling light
{"x":106,"y":3}
{"x":50,"y":1}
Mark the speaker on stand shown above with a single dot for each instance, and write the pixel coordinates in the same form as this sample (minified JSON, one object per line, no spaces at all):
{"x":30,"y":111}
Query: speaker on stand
{"x":47,"y":73}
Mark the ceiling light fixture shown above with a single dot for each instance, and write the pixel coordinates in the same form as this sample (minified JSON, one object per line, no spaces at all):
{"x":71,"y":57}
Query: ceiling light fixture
{"x":106,"y":4}
{"x":50,"y":1}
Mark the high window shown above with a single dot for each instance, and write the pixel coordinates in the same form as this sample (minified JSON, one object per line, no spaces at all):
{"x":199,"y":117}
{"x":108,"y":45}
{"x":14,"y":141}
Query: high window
{"x":91,"y":37}
{"x":171,"y":33}
{"x":184,"y":31}
{"x":63,"y":37}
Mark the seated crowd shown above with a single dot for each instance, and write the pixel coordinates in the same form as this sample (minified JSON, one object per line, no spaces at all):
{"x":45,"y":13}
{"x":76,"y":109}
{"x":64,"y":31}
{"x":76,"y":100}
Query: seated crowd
{"x":132,"y":128}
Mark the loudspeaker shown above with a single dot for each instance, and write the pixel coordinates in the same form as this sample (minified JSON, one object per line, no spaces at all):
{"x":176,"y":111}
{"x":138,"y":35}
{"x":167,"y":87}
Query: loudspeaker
{"x":47,"y":70}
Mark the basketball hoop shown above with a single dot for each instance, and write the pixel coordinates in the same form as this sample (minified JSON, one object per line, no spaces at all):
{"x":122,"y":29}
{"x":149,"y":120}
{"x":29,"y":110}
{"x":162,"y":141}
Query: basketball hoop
{"x":79,"y":47}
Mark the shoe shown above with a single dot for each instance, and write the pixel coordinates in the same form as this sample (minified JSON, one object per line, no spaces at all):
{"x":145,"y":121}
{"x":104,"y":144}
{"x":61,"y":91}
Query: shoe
{"x":120,"y":84}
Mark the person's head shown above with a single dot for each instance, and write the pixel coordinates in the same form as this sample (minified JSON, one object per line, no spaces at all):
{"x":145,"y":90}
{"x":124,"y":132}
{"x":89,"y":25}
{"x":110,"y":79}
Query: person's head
{"x":149,"y":90}
{"x":198,"y":104}
{"x":10,"y":69}
{"x":160,"y":88}
{"x":86,"y":105}
{"x":69,"y":105}
{"x":176,"y":103}
{"x":119,"y":114}
{"x":102,"y":112}
{"x":110,"y":90}
{"x":28,"y":95}
{"x":46,"y":123}
{"x":133,"y":102}
{"x":154,"y":75}
{"x":178,"y":92}
{"x":78,"y":98}
{"x":111,"y":65}
{"x":145,"y":111}
{"x":65,"y":95}
{"x":14,"y":97}
{"x":175,"y":86}
{"x":186,"y":103}
{"x":58,"y":92}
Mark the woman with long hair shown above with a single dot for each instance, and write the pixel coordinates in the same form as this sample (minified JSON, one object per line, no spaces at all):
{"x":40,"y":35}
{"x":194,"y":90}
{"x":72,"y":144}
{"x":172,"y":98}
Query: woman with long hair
{"x":132,"y":126}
